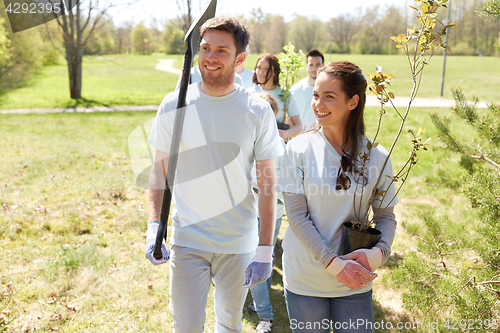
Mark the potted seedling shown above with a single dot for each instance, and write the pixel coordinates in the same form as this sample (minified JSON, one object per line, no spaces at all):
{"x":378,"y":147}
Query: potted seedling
{"x":420,"y":45}
{"x":290,"y":63}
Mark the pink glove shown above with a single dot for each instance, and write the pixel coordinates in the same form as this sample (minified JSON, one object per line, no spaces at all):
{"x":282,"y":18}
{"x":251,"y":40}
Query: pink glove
{"x":350,"y":273}
{"x":370,"y":258}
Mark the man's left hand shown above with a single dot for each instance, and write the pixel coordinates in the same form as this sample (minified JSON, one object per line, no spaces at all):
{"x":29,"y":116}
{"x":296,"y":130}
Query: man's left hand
{"x":261,"y":266}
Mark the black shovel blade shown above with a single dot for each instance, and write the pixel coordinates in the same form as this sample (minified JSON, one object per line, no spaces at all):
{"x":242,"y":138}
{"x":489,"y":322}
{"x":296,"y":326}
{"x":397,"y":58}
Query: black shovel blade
{"x":193,"y":35}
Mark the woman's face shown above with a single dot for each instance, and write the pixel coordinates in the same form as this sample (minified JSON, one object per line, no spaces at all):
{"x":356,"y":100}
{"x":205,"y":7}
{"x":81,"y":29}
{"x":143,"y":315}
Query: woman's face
{"x":261,"y":71}
{"x":330,"y":104}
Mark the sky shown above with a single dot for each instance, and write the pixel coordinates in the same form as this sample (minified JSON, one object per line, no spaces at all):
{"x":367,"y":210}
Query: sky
{"x":160,"y":11}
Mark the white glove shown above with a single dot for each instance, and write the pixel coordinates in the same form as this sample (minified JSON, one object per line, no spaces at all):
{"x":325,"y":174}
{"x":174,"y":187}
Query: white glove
{"x":370,"y":258}
{"x":150,"y":245}
{"x":350,"y":273}
{"x":260,"y":267}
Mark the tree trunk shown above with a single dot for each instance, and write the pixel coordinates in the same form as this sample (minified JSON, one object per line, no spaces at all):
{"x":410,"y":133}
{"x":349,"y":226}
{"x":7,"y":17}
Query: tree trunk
{"x":74,"y":55}
{"x":75,"y":78}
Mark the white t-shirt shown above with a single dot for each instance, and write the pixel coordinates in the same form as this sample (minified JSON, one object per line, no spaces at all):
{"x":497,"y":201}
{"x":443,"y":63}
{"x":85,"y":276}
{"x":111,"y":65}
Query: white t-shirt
{"x":310,"y":167}
{"x":280,"y":208}
{"x":303,"y":93}
{"x":293,"y":109}
{"x":196,"y":77}
{"x":213,"y":207}
{"x":246,"y":77}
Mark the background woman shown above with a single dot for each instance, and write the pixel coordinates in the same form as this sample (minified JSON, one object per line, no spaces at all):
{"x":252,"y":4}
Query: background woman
{"x":321,"y":179}
{"x":266,"y":77}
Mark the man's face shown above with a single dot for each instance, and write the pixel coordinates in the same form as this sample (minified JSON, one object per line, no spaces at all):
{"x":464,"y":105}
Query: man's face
{"x":313,"y":64}
{"x":218,"y":58}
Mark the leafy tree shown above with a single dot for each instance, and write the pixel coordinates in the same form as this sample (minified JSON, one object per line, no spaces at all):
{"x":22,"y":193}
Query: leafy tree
{"x":378,"y":26}
{"x":102,"y":41}
{"x":490,"y":11}
{"x":173,"y":39}
{"x":259,"y":25}
{"x":142,"y":40}
{"x":4,"y":43}
{"x":474,"y":35}
{"x":186,"y":18}
{"x":456,"y":271}
{"x":76,"y":28}
{"x":305,"y":33}
{"x":21,"y":55}
{"x":275,"y":38}
{"x":123,"y":41}
{"x":341,"y":30}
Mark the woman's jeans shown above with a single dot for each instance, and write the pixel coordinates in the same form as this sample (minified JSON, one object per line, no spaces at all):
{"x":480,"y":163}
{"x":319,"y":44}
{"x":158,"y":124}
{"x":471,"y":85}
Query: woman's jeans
{"x":260,"y":292}
{"x":320,"y":314}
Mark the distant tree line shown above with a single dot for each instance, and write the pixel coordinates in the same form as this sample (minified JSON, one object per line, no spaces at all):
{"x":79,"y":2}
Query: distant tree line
{"x":368,"y":31}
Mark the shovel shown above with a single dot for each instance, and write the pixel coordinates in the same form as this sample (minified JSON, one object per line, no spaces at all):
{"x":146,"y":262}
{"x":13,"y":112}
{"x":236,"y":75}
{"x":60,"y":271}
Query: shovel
{"x":192,"y":43}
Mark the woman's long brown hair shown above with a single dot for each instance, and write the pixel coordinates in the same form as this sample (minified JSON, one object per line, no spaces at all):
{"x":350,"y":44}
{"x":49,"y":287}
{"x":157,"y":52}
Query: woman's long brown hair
{"x":274,"y":64}
{"x":353,"y":82}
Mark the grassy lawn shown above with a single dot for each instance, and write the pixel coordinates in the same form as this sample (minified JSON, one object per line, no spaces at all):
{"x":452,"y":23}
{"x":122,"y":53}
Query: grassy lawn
{"x":72,"y":224}
{"x":132,"y":79}
{"x":107,"y":80}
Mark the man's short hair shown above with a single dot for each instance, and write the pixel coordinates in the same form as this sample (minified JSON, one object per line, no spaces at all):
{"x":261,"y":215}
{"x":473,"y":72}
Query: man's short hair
{"x":236,"y":28}
{"x":315,"y":53}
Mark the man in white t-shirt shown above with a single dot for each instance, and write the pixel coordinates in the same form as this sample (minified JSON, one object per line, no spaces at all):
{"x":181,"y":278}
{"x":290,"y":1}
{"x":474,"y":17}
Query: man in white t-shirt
{"x":302,"y":90}
{"x":214,"y":233}
{"x":245,"y":74}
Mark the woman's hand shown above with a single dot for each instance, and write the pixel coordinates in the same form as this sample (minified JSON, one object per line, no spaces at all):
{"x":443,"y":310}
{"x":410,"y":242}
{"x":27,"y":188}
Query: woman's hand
{"x":370,"y":258}
{"x":350,"y":273}
{"x":283,"y":135}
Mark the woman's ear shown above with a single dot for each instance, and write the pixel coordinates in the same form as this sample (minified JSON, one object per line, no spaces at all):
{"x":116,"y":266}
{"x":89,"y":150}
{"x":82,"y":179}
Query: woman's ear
{"x":353,"y":102}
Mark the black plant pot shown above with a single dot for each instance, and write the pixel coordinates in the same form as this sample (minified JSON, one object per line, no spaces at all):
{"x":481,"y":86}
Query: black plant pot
{"x":283,"y":126}
{"x":353,"y":239}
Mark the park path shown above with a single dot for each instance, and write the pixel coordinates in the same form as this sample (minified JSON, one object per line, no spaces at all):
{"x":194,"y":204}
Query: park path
{"x":167,"y":65}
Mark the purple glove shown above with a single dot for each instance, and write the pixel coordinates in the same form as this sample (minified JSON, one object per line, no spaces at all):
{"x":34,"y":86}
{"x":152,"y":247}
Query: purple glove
{"x":350,"y":273}
{"x":150,"y":245}
{"x":260,"y":267}
{"x":370,"y":258}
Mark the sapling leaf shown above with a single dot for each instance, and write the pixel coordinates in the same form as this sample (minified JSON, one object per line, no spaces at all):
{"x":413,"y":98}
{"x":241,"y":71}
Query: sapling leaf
{"x":391,"y":94}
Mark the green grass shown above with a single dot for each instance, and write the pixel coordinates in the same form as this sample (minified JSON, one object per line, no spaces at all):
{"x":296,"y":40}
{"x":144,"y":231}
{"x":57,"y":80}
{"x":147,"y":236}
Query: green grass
{"x":72,"y":225}
{"x":132,"y":79}
{"x":107,"y":80}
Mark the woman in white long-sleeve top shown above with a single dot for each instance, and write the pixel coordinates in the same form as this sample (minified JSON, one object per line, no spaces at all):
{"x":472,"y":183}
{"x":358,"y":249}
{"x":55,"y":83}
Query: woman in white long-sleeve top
{"x":321,"y":180}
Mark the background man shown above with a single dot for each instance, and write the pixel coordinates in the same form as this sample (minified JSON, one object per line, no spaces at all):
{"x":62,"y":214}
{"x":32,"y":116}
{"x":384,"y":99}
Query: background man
{"x":302,"y":90}
{"x":214,"y":218}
